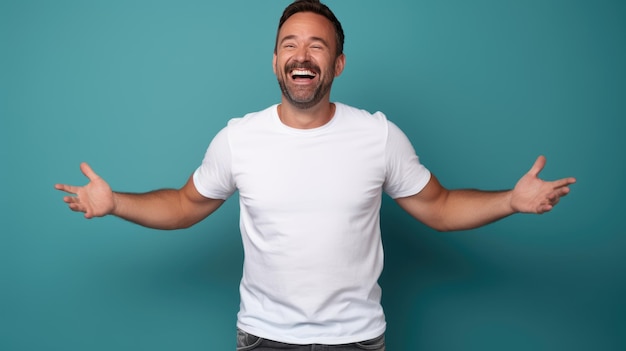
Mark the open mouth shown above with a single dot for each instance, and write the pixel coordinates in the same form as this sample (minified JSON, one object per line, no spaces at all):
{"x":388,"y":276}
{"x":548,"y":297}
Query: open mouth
{"x":302,"y":74}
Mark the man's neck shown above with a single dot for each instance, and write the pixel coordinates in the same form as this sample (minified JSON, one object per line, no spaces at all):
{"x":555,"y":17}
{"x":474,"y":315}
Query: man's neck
{"x":313,"y":117}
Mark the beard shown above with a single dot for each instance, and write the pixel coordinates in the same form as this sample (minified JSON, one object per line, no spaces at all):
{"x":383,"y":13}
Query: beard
{"x":305,"y":97}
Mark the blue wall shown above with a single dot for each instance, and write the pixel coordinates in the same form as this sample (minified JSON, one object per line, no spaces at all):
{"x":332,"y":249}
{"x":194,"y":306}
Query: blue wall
{"x":138,"y":88}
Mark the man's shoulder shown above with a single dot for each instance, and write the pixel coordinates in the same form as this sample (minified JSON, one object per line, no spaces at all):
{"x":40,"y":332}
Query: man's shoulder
{"x":253,"y":118}
{"x":359,"y":114}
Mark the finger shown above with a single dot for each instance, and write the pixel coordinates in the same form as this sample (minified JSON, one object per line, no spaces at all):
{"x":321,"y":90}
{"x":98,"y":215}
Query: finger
{"x":548,"y":204}
{"x":538,"y":166}
{"x":76,"y":207}
{"x":66,"y":188}
{"x":545,"y":208}
{"x":554,"y":199}
{"x":88,"y":172}
{"x":562,"y":191}
{"x":71,"y":199}
{"x":563,"y":182}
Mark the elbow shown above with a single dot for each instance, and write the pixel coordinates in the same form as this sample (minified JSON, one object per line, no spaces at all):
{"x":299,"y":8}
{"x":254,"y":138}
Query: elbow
{"x":183,"y":224}
{"x":444,"y":227}
{"x":437,"y":221}
{"x":173,"y":225}
{"x":441,"y":227}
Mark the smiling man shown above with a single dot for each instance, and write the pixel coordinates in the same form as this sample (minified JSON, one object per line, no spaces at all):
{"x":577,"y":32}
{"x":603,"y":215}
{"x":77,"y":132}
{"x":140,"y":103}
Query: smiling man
{"x":310,"y":175}
{"x":307,"y":58}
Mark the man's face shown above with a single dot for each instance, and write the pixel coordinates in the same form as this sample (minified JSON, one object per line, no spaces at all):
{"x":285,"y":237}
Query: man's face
{"x":305,"y":61}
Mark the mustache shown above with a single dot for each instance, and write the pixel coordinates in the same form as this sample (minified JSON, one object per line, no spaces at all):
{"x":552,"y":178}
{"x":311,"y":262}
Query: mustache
{"x":302,"y":65}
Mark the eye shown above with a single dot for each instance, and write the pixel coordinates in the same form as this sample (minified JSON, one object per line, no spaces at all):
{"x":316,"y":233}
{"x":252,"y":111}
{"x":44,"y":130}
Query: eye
{"x":318,"y":45}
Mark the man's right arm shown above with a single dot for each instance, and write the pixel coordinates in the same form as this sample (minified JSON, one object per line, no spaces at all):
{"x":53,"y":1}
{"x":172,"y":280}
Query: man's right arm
{"x":160,"y":209}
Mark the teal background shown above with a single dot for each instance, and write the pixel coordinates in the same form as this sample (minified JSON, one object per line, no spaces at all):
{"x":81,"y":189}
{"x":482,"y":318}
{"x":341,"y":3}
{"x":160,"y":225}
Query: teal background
{"x":138,"y":89}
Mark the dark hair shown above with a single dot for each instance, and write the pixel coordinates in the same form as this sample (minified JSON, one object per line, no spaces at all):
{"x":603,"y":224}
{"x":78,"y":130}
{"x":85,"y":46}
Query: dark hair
{"x":316,"y":7}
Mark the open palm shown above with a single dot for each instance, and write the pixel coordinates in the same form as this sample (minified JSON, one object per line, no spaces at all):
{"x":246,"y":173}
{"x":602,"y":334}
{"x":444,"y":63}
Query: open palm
{"x":534,"y":195}
{"x":94,"y":199}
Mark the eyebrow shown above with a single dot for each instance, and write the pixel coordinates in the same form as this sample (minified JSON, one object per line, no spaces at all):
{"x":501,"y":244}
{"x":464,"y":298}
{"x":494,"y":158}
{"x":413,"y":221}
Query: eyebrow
{"x":292,"y":36}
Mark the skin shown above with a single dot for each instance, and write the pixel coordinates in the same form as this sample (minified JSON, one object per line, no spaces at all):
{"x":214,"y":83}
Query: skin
{"x":307,"y":40}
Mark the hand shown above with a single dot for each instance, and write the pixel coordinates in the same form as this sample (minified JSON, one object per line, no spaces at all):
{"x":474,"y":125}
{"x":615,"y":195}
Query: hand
{"x":534,"y":195}
{"x":94,"y":199}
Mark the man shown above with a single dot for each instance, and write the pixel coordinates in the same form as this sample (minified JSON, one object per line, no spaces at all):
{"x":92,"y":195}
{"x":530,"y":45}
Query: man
{"x":310,"y":176}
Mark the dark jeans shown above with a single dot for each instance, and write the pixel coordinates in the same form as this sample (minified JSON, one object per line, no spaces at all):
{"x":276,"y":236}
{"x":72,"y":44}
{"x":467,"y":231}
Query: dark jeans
{"x":247,"y":342}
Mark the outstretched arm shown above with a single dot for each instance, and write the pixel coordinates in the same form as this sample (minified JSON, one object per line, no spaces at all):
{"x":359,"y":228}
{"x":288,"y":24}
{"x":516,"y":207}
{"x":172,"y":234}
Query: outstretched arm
{"x":446,"y":210}
{"x":161,"y":209}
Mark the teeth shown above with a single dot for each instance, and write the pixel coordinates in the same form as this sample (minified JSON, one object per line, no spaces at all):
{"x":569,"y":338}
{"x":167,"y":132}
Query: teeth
{"x":298,"y":72}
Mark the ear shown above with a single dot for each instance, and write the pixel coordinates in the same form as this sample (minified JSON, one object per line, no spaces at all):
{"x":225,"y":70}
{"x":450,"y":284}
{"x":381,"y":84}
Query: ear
{"x":340,"y":63}
{"x":274,"y":63}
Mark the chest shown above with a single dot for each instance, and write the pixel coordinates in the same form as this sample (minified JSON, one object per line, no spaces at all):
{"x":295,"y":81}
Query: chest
{"x":314,"y":174}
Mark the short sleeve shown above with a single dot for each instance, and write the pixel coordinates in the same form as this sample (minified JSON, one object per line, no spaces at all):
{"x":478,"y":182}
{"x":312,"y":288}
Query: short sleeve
{"x":214,"y":178}
{"x":405,"y":175}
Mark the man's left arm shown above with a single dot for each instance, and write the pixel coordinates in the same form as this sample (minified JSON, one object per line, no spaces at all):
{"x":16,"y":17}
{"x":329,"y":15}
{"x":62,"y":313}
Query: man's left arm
{"x":447,"y":210}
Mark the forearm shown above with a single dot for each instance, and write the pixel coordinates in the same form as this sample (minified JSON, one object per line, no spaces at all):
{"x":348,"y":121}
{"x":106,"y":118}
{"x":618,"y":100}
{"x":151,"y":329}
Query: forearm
{"x":447,"y":210}
{"x":468,"y":209}
{"x":160,"y":209}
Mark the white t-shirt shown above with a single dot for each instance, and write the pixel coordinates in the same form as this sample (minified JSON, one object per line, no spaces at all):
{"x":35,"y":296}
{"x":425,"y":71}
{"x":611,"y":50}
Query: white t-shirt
{"x":310,"y":219}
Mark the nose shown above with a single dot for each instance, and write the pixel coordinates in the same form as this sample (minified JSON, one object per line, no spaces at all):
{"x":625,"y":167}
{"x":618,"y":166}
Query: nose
{"x":302,"y":54}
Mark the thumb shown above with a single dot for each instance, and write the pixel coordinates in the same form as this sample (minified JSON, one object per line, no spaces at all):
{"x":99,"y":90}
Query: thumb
{"x":538,"y":166}
{"x":88,"y":172}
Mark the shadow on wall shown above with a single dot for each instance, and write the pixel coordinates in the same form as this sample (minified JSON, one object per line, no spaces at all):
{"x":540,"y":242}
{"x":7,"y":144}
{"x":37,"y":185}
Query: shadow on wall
{"x":417,"y":259}
{"x":457,"y":291}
